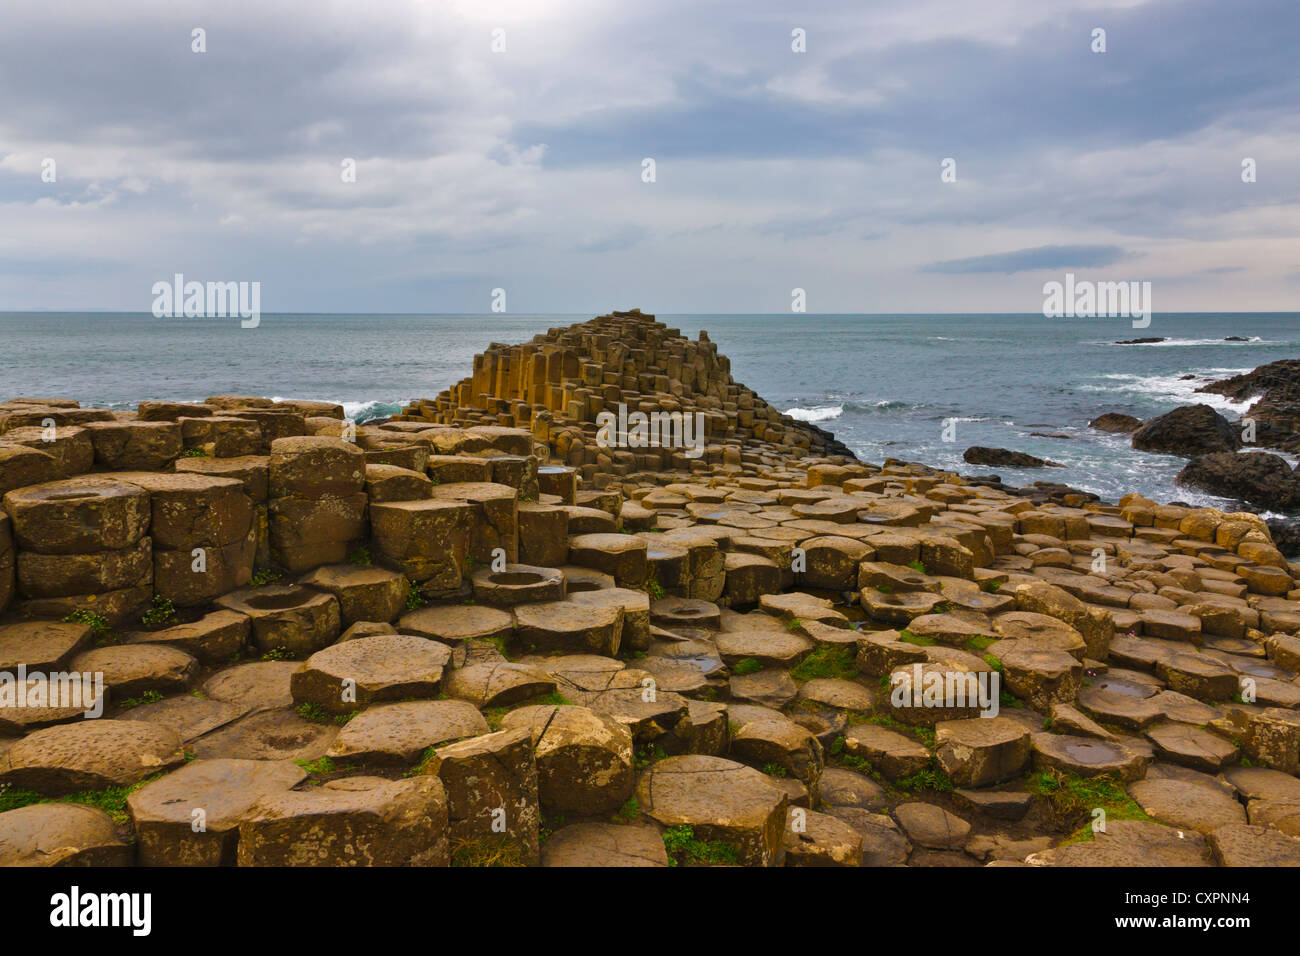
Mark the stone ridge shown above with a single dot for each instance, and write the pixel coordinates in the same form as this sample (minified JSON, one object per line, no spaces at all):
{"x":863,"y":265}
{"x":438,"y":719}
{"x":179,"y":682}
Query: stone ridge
{"x":557,"y":384}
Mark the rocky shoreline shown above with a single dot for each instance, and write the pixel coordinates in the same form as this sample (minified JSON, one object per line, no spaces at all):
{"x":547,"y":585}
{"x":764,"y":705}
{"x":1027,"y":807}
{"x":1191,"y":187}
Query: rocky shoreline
{"x":1214,"y":446}
{"x":599,"y":604}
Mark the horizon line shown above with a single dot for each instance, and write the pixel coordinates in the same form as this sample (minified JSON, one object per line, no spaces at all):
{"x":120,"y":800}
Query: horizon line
{"x":85,"y":311}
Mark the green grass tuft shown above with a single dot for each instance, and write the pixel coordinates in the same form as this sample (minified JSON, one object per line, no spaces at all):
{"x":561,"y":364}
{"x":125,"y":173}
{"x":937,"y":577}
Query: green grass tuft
{"x":685,"y":850}
{"x":829,"y":660}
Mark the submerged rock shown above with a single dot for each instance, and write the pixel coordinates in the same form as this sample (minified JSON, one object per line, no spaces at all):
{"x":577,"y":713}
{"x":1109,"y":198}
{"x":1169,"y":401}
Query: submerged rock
{"x":980,"y":455}
{"x":1115,"y":422}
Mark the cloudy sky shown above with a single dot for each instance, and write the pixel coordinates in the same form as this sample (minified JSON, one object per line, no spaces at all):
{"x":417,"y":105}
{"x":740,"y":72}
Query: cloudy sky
{"x":523,"y":169}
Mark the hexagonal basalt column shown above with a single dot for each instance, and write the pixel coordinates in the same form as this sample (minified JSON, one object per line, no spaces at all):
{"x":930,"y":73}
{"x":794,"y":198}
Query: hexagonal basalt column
{"x":287,"y":617}
{"x":317,"y":500}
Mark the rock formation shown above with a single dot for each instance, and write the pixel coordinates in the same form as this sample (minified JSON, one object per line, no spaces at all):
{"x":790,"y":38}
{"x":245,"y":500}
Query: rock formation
{"x":558,"y":384}
{"x":501,"y":630}
{"x":1189,"y":431}
{"x":980,"y":455}
{"x":1115,"y":422}
{"x":1262,"y":480}
{"x":1274,"y":393}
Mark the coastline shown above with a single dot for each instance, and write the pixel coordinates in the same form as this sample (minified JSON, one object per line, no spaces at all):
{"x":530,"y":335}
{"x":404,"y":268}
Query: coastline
{"x":710,"y":616}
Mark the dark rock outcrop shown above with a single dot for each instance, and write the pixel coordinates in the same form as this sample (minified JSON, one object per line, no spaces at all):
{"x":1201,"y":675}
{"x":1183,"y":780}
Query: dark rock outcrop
{"x":1286,"y":535}
{"x":1188,"y":431}
{"x":980,"y":455}
{"x":1275,"y":388}
{"x":1115,"y":422}
{"x":1256,"y":477}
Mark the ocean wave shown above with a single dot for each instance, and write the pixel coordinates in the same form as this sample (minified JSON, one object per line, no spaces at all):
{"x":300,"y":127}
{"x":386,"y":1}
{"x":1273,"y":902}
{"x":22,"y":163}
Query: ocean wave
{"x":1173,"y":388}
{"x":820,"y":413}
{"x":1167,"y":343}
{"x":362,"y":412}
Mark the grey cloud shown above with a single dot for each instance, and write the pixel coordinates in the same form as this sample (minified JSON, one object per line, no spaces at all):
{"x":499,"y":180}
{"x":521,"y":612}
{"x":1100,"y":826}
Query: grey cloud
{"x":1028,"y":260}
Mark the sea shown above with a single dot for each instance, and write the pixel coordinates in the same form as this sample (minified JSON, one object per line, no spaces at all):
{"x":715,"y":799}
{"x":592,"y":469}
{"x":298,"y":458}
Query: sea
{"x":913,"y":387}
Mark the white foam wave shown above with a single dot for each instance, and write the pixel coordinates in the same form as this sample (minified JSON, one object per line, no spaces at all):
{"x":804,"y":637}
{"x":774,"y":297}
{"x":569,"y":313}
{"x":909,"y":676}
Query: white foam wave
{"x":820,"y":413}
{"x":1174,"y":388}
{"x":1167,"y":343}
{"x":361,"y":412}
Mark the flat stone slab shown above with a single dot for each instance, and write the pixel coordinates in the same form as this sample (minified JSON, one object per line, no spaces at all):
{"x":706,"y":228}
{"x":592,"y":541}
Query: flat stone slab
{"x":932,"y":826}
{"x":353,"y":674}
{"x":41,"y":645}
{"x":845,"y":788}
{"x":400,"y":733}
{"x":90,"y":755}
{"x":620,"y":555}
{"x":497,"y":684}
{"x":763,"y":737}
{"x":44,"y":700}
{"x":1008,"y":805}
{"x":213,"y":793}
{"x":883,"y":841}
{"x":281,"y":734}
{"x":1066,"y":718}
{"x":1245,"y":845}
{"x":212,"y":639}
{"x":518,"y":584}
{"x":953,"y":629}
{"x":191,"y":717}
{"x":1125,"y":709}
{"x":894,"y":754}
{"x":257,"y":686}
{"x":454,"y":623}
{"x":982,"y":751}
{"x":673,"y":612}
{"x":580,"y":673}
{"x":132,"y":669}
{"x":1192,"y":747}
{"x":78,"y":516}
{"x":772,"y":687}
{"x":819,"y":839}
{"x":1130,"y":843}
{"x":719,"y":800}
{"x":605,"y":844}
{"x":1263,"y":783}
{"x":1198,"y":676}
{"x":569,"y":626}
{"x":61,"y":834}
{"x":1087,"y":756}
{"x":770,"y":648}
{"x":838,"y":694}
{"x":355,"y":821}
{"x":1187,"y":805}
